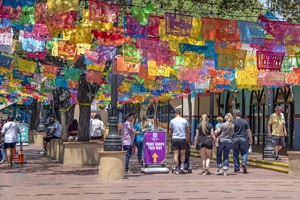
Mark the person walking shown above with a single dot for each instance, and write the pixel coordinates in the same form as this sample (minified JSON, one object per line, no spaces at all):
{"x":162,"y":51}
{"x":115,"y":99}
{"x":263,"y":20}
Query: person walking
{"x":10,"y":132}
{"x":277,"y":129}
{"x":204,"y":143}
{"x":2,"y":149}
{"x":241,"y":140}
{"x":128,"y":138}
{"x":179,"y":128}
{"x":224,"y":132}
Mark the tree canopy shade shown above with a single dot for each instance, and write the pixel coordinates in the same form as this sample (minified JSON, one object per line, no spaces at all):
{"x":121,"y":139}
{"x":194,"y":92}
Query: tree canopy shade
{"x":230,"y":9}
{"x":289,"y":9}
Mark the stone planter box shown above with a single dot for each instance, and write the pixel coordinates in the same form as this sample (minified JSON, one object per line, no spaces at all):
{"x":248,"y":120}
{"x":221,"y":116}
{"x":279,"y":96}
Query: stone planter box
{"x":54,"y":146}
{"x":60,"y":151}
{"x":294,"y":162}
{"x":80,"y":153}
{"x":38,"y":138}
{"x":30,"y":136}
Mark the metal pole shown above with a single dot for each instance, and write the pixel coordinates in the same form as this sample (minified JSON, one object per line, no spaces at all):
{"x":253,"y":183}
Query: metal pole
{"x":269,"y":149}
{"x":211,"y":110}
{"x":113,"y":140}
{"x":41,"y":127}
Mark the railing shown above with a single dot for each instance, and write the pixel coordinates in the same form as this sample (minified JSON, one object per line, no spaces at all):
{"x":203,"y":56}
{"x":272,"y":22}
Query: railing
{"x":18,"y":114}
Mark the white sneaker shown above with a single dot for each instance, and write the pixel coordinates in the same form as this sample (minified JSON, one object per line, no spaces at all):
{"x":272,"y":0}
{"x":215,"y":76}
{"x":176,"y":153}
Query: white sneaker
{"x":2,"y":161}
{"x":219,"y":172}
{"x":43,"y":152}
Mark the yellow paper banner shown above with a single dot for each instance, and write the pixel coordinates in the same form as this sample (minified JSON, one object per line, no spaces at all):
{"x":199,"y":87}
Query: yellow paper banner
{"x":193,"y":60}
{"x":154,"y":70}
{"x":26,"y":66}
{"x":61,"y":6}
{"x":192,"y":39}
{"x":95,"y":25}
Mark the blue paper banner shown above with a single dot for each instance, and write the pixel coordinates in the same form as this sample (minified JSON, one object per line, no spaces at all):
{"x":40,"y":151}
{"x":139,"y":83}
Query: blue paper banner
{"x":252,"y":32}
{"x":5,"y":61}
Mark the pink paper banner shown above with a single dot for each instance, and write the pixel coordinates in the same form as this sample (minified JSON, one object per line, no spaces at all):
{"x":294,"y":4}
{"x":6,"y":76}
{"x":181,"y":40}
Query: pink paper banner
{"x":267,"y":60}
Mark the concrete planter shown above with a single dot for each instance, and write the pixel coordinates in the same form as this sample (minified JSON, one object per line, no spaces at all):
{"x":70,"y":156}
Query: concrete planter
{"x":38,"y":138}
{"x":30,"y":136}
{"x":294,"y":162}
{"x":54,"y":146}
{"x":81,"y":153}
{"x":112,"y":165}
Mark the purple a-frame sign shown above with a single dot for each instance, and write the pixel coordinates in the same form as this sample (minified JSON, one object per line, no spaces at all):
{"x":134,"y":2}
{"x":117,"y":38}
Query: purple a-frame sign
{"x":155,"y":148}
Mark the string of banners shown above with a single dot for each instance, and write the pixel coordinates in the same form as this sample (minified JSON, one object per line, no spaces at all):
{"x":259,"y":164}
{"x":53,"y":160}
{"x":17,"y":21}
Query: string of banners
{"x":162,"y":56}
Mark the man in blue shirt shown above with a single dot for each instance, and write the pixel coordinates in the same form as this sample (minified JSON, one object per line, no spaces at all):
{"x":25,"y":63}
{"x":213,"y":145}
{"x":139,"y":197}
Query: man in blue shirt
{"x":53,"y":132}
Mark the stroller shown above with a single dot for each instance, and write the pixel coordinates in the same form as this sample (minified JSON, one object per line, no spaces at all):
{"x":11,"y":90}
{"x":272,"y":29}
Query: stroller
{"x":187,"y":167}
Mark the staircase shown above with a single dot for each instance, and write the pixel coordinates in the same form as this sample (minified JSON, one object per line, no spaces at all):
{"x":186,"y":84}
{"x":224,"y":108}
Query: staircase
{"x":5,"y":105}
{"x":255,"y":160}
{"x":10,"y":109}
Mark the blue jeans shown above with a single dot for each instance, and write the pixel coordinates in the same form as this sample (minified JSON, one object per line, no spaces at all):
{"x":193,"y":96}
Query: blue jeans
{"x":223,"y":148}
{"x":128,"y":149}
{"x":240,"y":145}
{"x":140,"y":148}
{"x":3,"y":153}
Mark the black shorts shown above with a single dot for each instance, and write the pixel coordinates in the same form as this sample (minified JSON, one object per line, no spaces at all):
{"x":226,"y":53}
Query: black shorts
{"x":10,"y":145}
{"x":50,"y":137}
{"x":179,"y":144}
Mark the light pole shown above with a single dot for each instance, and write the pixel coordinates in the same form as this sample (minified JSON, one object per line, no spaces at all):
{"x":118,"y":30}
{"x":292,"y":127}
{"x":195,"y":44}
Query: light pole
{"x":113,"y":140}
{"x":41,"y":127}
{"x":269,"y":149}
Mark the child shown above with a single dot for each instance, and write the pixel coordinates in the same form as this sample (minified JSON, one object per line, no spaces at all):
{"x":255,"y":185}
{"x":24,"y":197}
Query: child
{"x":220,"y":120}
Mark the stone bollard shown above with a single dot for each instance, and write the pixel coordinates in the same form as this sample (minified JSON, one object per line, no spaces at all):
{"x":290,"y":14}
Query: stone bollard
{"x":112,"y":165}
{"x":294,"y":162}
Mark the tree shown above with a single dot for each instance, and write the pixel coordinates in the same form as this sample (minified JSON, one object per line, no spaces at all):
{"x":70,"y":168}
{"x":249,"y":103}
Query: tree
{"x":289,"y":9}
{"x":85,"y":98}
{"x":232,"y":9}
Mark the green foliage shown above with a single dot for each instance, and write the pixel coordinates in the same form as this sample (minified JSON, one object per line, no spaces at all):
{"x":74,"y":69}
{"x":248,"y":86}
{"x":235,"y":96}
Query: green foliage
{"x":230,"y":9}
{"x":289,"y":9}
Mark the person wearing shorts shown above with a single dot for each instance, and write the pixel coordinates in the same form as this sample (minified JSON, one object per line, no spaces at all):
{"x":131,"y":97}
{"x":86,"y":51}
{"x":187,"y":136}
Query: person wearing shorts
{"x":277,"y":129}
{"x":53,"y":132}
{"x":179,"y":128}
{"x":204,"y":143}
{"x":10,"y":132}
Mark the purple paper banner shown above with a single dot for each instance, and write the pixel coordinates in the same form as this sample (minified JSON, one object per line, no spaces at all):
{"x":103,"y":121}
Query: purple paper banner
{"x":178,"y":25}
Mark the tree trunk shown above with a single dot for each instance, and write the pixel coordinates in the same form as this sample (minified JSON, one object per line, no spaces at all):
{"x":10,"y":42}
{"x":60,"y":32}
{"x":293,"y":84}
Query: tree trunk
{"x":84,"y":123}
{"x":234,"y":95}
{"x":34,"y":115}
{"x":86,"y":94}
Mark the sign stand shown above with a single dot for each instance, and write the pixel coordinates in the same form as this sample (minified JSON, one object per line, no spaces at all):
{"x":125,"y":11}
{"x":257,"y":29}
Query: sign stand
{"x":155,"y":152}
{"x":23,"y":138}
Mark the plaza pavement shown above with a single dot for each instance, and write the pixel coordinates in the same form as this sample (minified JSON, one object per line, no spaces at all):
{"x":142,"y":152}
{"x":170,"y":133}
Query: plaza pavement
{"x":44,"y":179}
